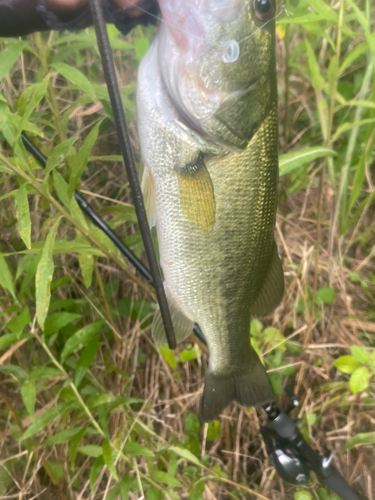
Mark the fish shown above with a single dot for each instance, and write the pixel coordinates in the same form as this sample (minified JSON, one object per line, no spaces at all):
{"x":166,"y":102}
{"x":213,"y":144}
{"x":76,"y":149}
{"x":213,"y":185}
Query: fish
{"x":208,"y":129}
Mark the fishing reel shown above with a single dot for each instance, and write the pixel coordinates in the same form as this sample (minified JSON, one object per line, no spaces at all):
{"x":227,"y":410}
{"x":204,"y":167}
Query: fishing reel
{"x":293,"y":458}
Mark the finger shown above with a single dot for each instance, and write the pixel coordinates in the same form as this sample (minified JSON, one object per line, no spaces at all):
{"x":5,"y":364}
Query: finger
{"x":67,"y":4}
{"x":124,"y":4}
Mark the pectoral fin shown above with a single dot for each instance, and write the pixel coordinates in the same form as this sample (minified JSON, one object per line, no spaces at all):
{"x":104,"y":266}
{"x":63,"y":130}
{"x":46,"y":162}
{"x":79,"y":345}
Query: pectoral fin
{"x":197,"y":192}
{"x":148,"y":191}
{"x":182,"y":325}
{"x":272,"y":290}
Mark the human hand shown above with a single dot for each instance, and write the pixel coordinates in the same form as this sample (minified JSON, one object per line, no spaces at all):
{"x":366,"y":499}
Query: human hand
{"x":76,"y":4}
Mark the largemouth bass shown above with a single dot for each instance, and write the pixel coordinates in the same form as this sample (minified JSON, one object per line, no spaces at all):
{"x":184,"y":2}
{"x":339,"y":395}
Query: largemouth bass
{"x":207,"y":108}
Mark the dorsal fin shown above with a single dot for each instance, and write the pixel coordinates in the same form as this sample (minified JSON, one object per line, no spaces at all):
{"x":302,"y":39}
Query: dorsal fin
{"x":272,"y":290}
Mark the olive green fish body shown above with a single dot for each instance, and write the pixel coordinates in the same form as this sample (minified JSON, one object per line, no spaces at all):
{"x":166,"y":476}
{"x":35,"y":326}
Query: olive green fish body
{"x":213,"y":180}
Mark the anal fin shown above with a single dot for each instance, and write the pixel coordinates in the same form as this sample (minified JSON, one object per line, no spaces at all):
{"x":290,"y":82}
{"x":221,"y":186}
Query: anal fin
{"x":182,"y":325}
{"x":272,"y":290}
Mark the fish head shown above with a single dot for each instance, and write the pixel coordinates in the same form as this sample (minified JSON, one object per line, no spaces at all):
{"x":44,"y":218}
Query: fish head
{"x":217,"y":60}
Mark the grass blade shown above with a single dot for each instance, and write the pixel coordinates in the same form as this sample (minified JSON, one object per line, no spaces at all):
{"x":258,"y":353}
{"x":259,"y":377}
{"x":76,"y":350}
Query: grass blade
{"x":23,"y":215}
{"x":6,"y":279}
{"x":44,"y":274}
{"x":80,"y":339}
{"x":291,"y":161}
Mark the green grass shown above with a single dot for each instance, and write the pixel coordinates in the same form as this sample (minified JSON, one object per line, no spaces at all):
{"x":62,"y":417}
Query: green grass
{"x":89,"y":406}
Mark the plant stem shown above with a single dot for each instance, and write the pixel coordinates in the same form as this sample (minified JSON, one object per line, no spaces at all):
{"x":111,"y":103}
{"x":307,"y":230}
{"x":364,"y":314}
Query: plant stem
{"x":42,"y":53}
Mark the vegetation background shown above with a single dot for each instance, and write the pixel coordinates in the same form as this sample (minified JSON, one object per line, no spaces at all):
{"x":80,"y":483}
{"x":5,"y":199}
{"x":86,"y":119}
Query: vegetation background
{"x":90,"y":408}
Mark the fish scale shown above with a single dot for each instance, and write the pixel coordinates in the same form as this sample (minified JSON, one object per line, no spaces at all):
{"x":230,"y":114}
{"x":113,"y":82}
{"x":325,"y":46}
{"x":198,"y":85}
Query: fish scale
{"x":211,"y":174}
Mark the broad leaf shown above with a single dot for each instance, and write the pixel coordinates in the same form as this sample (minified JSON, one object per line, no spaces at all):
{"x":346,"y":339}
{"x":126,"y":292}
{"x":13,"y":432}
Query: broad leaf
{"x":16,"y":325}
{"x":346,"y":364}
{"x":316,"y":78}
{"x":192,"y":423}
{"x":108,"y":459}
{"x":95,"y":470}
{"x":23,"y":215}
{"x":185,"y":454}
{"x":9,"y":56}
{"x":76,"y":439}
{"x":6,"y":279}
{"x":164,"y":478}
{"x":14,"y":370}
{"x":359,"y":380}
{"x":325,"y":295}
{"x":58,"y":320}
{"x":168,"y":355}
{"x":58,"y":156}
{"x":87,"y":357}
{"x":46,"y":418}
{"x":86,"y":264}
{"x":76,"y":212}
{"x":302,"y":495}
{"x":44,"y":274}
{"x":28,"y":396}
{"x":80,"y":339}
{"x":39,"y":90}
{"x":360,"y":354}
{"x":74,"y":76}
{"x":365,"y":438}
{"x":43,"y":372}
{"x":91,"y":450}
{"x":79,"y":161}
{"x":61,"y":187}
{"x":137,"y":450}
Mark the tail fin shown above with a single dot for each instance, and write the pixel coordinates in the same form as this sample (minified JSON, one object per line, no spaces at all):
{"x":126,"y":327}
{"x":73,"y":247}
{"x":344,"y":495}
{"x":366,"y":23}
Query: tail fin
{"x":249,"y":387}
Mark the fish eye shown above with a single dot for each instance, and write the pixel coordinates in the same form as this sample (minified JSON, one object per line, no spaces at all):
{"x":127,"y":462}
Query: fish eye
{"x":264,"y":9}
